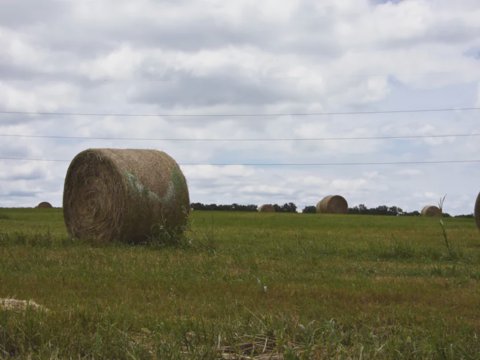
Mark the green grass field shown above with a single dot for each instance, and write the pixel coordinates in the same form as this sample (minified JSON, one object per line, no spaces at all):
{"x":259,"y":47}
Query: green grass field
{"x":243,"y":286}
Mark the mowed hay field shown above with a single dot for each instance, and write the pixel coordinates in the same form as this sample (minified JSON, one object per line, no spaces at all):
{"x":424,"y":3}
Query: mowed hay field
{"x":245,"y":286}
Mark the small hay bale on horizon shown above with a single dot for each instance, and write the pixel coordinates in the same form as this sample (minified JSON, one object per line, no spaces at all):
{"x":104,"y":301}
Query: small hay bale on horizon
{"x":266,"y":208}
{"x":44,"y":205}
{"x":477,"y":211}
{"x":431,"y":210}
{"x":332,"y":204}
{"x":129,"y":195}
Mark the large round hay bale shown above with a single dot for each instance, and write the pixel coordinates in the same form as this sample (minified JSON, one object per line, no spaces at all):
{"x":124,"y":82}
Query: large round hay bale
{"x":431,"y":210}
{"x":332,"y":204}
{"x":44,"y":205}
{"x":266,"y":208}
{"x":124,"y":194}
{"x":477,"y":211}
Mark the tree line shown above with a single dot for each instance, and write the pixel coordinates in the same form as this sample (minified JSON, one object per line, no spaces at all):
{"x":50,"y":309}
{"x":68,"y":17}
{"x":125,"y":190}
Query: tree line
{"x":287,"y":207}
{"x":292,"y":208}
{"x":363,"y":210}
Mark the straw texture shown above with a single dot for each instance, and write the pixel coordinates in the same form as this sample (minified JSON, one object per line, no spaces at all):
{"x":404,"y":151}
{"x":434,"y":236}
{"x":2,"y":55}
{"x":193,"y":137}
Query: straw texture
{"x":333,"y":204}
{"x":431,"y":210}
{"x":124,"y":194}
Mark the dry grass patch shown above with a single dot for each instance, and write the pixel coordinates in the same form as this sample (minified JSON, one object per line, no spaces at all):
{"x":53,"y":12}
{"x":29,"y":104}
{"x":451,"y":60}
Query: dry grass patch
{"x":20,"y":305}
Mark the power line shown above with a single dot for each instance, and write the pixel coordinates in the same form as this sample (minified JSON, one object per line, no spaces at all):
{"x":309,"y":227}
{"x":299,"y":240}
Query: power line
{"x":372,"y":112}
{"x":288,"y":164}
{"x":387,"y":137}
{"x":343,"y":163}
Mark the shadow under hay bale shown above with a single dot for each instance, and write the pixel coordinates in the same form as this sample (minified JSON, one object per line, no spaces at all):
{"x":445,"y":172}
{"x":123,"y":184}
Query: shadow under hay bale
{"x":266,"y":208}
{"x":332,"y":204}
{"x":44,"y":205}
{"x":124,"y":194}
{"x":431,"y":210}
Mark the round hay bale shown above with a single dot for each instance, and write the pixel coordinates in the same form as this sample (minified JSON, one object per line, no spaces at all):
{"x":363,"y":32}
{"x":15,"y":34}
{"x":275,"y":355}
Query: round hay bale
{"x":477,"y":211}
{"x":124,"y":194}
{"x":431,"y":210}
{"x":266,"y":208}
{"x":332,"y":204}
{"x":44,"y":205}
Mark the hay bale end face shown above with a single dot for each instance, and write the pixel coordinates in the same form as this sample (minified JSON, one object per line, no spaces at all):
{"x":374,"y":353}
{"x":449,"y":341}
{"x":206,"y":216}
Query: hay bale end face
{"x":332,"y":204}
{"x":125,"y":195}
{"x":44,"y":205}
{"x":477,"y":211}
{"x":266,"y":208}
{"x":431,"y":210}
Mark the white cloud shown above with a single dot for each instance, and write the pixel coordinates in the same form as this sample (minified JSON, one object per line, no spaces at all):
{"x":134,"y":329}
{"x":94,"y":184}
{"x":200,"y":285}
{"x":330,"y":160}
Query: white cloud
{"x":120,"y":64}
{"x":212,"y":56}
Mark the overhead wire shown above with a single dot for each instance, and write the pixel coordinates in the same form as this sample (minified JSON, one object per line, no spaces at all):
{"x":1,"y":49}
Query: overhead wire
{"x":385,"y":137}
{"x":320,"y":113}
{"x":426,"y":162}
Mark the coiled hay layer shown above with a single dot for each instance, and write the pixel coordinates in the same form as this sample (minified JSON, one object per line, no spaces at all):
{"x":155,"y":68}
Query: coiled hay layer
{"x":431,"y":210}
{"x":124,"y":194}
{"x":266,"y":208}
{"x":477,"y":211}
{"x":332,"y":204}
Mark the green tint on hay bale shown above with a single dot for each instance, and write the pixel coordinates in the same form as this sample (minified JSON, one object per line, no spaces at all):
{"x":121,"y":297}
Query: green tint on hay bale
{"x":266,"y":208}
{"x":124,"y":194}
{"x":44,"y":205}
{"x":333,"y":204}
{"x":477,"y":211}
{"x":431,"y":210}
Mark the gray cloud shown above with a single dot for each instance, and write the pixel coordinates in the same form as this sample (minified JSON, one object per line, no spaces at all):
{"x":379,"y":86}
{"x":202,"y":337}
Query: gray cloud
{"x":221,"y":90}
{"x":24,"y":194}
{"x":27,"y":13}
{"x":150,"y":57}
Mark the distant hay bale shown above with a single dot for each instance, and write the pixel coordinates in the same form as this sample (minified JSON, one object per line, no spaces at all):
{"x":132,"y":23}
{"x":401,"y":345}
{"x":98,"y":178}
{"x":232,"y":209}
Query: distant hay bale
{"x":266,"y":208}
{"x":332,"y":204}
{"x":477,"y":211}
{"x":431,"y":210}
{"x":44,"y":205}
{"x":124,"y":194}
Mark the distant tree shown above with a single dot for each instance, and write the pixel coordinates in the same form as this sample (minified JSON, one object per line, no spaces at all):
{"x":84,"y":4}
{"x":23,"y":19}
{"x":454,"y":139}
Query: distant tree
{"x":467,"y":216}
{"x":290,"y":207}
{"x":215,"y":207}
{"x":309,"y":210}
{"x":286,"y":208}
{"x":197,"y":206}
{"x":379,"y":210}
{"x":394,"y":210}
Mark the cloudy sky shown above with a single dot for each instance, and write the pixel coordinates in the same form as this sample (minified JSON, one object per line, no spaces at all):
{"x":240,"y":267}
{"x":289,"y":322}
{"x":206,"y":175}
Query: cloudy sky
{"x":304,"y":71}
